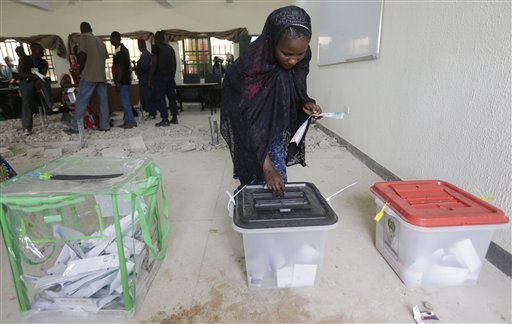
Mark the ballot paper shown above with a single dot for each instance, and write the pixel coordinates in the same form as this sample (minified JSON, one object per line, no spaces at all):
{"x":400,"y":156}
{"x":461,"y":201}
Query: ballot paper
{"x":299,"y":134}
{"x":85,"y":277}
{"x":39,"y":75}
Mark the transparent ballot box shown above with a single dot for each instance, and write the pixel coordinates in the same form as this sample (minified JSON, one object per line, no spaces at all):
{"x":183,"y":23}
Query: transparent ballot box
{"x":85,"y":237}
{"x":284,"y":237}
{"x":432,"y":233}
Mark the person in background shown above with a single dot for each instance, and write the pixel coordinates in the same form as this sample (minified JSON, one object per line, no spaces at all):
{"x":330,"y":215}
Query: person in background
{"x":142,"y":70}
{"x":230,"y":59}
{"x":163,"y":70}
{"x":264,"y":100}
{"x":20,"y":51}
{"x":8,"y":69}
{"x":69,"y":81}
{"x":91,"y":59}
{"x":30,"y":82}
{"x":122,"y":78}
{"x":217,"y":67}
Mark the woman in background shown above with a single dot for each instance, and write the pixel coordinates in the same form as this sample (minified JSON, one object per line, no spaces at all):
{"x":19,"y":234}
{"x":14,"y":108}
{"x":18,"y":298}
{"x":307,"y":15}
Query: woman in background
{"x":264,"y":100}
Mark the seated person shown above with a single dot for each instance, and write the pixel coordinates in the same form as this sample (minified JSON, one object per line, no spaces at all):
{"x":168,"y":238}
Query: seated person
{"x":69,"y":82}
{"x":7,"y":70}
{"x":30,"y":82}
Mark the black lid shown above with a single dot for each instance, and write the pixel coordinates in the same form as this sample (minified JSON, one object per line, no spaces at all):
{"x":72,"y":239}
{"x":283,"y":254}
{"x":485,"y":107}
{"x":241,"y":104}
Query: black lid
{"x":302,"y":205}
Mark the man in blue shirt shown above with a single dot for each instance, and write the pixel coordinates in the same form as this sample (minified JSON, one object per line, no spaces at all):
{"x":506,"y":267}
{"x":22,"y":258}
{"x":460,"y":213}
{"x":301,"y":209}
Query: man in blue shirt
{"x":142,"y":70}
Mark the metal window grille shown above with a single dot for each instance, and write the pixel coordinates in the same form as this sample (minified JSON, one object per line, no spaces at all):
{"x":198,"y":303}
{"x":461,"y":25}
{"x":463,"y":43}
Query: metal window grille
{"x":133,"y":49}
{"x":221,"y":48}
{"x":8,"y":47}
{"x":197,"y":54}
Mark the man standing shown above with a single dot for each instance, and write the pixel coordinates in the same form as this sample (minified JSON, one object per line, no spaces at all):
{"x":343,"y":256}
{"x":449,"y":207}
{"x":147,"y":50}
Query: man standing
{"x":30,"y":82}
{"x":142,"y":70}
{"x":122,"y":79}
{"x":163,"y":69}
{"x":92,"y":55}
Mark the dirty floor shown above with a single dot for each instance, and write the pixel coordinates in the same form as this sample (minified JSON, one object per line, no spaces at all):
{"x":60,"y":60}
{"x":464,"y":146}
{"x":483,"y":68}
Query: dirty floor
{"x":203,"y":277}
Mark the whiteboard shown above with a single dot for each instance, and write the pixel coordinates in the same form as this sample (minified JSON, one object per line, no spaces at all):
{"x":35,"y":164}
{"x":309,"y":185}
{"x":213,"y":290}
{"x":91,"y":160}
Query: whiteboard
{"x":349,"y":31}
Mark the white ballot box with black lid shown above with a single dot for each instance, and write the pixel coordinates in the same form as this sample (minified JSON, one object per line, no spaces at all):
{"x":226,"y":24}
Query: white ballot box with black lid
{"x":284,"y":237}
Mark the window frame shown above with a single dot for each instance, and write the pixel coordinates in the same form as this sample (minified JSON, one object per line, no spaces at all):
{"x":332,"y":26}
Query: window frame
{"x":7,"y":48}
{"x":200,"y":62}
{"x":133,"y":48}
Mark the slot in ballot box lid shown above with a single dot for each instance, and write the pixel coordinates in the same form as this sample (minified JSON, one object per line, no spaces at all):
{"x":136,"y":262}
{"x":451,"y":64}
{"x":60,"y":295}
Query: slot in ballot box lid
{"x":301,"y":205}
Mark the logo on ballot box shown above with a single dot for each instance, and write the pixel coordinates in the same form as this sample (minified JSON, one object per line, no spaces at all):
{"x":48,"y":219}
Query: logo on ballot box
{"x":391,"y":234}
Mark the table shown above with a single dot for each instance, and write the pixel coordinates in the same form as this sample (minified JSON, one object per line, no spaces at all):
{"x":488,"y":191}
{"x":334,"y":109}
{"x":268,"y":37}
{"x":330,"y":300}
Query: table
{"x":114,"y":104}
{"x":204,"y":93}
{"x":10,"y":102}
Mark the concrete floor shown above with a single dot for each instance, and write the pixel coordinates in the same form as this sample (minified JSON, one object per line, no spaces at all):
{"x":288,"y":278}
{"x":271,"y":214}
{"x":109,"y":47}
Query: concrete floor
{"x":203,"y":279}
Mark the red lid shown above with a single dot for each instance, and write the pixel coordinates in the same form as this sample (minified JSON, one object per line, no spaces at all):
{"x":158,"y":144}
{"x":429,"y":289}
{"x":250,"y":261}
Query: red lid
{"x":433,"y":203}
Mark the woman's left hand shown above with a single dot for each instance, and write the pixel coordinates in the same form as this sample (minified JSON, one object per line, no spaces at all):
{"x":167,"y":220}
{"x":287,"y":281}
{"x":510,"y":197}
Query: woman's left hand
{"x":312,"y":109}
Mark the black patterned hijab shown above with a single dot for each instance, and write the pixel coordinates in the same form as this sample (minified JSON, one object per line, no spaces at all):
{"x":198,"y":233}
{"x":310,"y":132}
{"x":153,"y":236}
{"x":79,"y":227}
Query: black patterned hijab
{"x":262,"y":100}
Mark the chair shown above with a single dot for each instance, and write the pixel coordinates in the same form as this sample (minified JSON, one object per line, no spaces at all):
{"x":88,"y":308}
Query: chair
{"x":213,"y":95}
{"x":42,"y":108}
{"x":190,"y":95}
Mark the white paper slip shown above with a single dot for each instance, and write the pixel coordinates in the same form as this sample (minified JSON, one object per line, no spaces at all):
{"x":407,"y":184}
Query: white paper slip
{"x":284,"y":277}
{"x":335,"y":115}
{"x":116,"y":283}
{"x":93,"y":286}
{"x":87,"y":304}
{"x":39,"y":75}
{"x":48,"y":281}
{"x":70,"y":289}
{"x":100,"y":247}
{"x":106,"y":300}
{"x":304,"y":275}
{"x":109,"y":261}
{"x":299,"y":134}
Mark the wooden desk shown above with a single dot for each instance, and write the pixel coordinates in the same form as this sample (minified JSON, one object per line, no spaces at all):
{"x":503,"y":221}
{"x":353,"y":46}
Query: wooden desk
{"x":9,"y":89}
{"x":114,"y":103}
{"x":10,"y":102}
{"x":204,"y":93}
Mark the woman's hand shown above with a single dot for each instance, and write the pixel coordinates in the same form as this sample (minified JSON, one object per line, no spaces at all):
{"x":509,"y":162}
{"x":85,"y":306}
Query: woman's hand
{"x":311,"y":109}
{"x":273,"y":178}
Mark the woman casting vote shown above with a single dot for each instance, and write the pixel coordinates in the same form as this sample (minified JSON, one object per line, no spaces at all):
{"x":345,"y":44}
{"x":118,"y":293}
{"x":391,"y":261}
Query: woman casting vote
{"x":264,"y":100}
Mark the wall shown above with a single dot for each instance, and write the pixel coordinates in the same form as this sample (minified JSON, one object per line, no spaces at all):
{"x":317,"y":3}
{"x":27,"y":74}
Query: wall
{"x":126,"y":16}
{"x":437,"y":103}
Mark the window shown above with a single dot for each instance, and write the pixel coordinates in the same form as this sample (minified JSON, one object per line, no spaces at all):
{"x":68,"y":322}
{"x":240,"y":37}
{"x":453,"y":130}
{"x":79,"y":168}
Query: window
{"x":133,"y":49}
{"x":7,"y":48}
{"x":221,"y":48}
{"x":197,"y":54}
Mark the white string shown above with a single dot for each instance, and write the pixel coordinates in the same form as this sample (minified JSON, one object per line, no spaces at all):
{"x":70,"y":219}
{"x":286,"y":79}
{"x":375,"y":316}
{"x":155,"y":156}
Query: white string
{"x":232,"y":198}
{"x":337,"y":192}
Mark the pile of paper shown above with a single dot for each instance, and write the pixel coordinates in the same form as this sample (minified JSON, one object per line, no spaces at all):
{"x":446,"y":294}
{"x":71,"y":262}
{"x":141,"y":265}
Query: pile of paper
{"x":454,"y":265}
{"x":86,"y":276}
{"x":288,"y":268}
